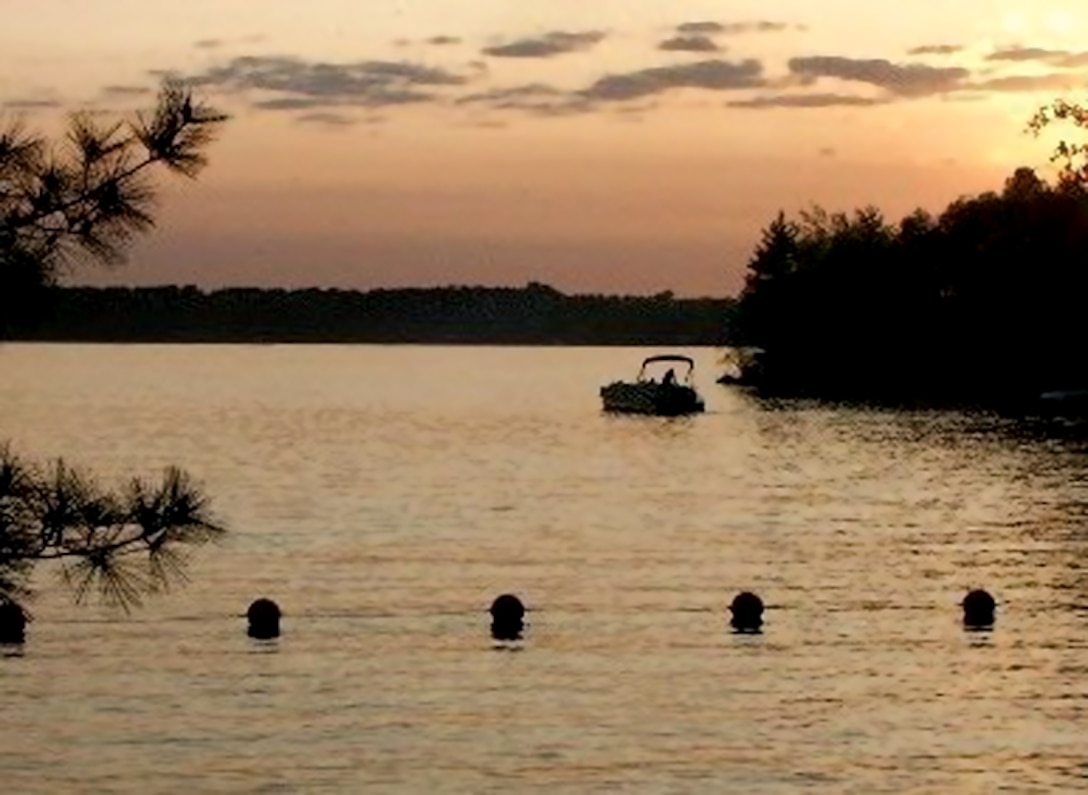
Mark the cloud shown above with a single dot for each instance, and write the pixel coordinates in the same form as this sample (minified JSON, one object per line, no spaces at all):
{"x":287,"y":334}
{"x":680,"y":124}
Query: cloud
{"x":327,"y":119}
{"x":1056,"y":81}
{"x":904,"y":80}
{"x":302,"y":84}
{"x":215,"y":44}
{"x":535,"y":98}
{"x":935,"y":49}
{"x":688,"y":44}
{"x":290,"y":103}
{"x":1075,"y":60}
{"x":499,"y":96}
{"x":551,"y":44}
{"x":711,"y":75}
{"x":914,"y":80}
{"x":1025,"y":54}
{"x":375,"y":99}
{"x":806,"y":101}
{"x":696,"y":28}
{"x":441,"y":41}
{"x":762,"y":26}
{"x":1063,"y":59}
{"x":709,"y":28}
{"x":127,"y":91}
{"x":32,"y":104}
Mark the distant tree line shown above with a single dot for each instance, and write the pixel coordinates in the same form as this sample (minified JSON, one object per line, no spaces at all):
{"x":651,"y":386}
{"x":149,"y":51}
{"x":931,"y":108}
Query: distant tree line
{"x":534,"y":315}
{"x":984,"y":302}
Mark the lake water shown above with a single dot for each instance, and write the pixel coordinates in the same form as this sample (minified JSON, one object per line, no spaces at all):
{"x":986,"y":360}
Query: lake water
{"x":384,"y":495}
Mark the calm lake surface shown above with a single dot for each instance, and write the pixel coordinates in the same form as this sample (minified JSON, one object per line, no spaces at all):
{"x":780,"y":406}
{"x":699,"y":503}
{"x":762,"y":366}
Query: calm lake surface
{"x":385,"y":495}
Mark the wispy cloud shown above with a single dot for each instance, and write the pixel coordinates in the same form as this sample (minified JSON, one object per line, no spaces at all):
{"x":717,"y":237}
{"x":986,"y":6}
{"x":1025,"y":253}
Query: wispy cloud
{"x":1025,"y":54}
{"x":762,"y":26}
{"x":695,"y":43}
{"x":900,"y":79}
{"x":1055,"y":81}
{"x":546,"y":46}
{"x":1061,"y":59}
{"x":806,"y":101}
{"x":714,"y":75}
{"x":538,"y":99}
{"x":439,"y":40}
{"x":32,"y":104}
{"x":127,"y":91}
{"x":935,"y":49}
{"x":327,"y":119}
{"x":695,"y":28}
{"x":1073,"y":60}
{"x":711,"y":28}
{"x":215,"y":44}
{"x":500,"y":97}
{"x":296,"y":83}
{"x":290,"y":103}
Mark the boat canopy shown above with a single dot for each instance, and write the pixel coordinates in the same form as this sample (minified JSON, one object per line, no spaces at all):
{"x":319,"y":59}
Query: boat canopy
{"x":669,"y":357}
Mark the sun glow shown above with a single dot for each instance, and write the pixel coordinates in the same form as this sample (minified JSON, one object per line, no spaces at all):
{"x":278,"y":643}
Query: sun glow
{"x":1060,"y":22}
{"x":1055,"y":22}
{"x":1014,"y":23}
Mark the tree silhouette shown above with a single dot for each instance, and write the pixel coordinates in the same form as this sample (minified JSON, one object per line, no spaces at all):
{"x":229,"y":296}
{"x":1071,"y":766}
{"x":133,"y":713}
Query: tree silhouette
{"x":983,"y":303}
{"x":84,"y":199}
{"x":87,"y":196}
{"x":1071,"y":157}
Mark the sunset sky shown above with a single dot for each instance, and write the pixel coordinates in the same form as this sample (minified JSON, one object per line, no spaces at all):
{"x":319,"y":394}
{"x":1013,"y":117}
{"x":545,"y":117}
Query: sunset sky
{"x":597,"y":146}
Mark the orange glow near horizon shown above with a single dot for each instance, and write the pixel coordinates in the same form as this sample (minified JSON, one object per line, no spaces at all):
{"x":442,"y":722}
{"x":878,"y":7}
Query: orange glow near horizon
{"x":413,"y":145}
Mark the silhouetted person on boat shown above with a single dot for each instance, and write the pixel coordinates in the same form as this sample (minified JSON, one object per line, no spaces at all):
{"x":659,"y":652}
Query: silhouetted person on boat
{"x":670,"y":378}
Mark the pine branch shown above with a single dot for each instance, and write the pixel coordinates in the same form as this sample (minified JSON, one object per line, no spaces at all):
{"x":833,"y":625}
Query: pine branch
{"x":95,"y":196}
{"x":120,"y":545}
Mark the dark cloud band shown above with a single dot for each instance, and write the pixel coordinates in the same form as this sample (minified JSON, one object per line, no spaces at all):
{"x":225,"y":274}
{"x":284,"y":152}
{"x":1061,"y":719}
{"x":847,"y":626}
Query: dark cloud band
{"x":688,"y":44}
{"x":806,"y":101}
{"x":303,"y":84}
{"x":714,"y":75}
{"x":904,"y":80}
{"x":547,"y":46}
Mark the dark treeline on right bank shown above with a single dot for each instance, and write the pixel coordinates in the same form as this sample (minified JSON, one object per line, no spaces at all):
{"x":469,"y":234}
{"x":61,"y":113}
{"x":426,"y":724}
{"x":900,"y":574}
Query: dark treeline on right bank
{"x":985,"y":303}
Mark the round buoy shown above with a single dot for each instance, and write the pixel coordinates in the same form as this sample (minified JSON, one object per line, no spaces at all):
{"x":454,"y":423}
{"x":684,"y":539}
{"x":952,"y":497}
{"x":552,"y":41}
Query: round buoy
{"x":978,"y":608}
{"x":747,"y":610}
{"x":264,"y":619}
{"x":12,"y":623}
{"x":507,"y":617}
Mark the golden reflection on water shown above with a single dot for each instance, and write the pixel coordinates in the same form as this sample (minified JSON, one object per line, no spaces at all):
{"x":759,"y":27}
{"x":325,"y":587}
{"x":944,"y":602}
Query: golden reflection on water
{"x":384,"y":495}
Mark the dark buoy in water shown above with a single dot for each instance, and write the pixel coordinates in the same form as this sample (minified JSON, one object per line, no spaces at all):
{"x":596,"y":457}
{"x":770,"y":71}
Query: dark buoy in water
{"x":507,"y":617}
{"x":978,"y":609}
{"x":12,"y":623}
{"x":264,"y":619}
{"x":747,"y":610}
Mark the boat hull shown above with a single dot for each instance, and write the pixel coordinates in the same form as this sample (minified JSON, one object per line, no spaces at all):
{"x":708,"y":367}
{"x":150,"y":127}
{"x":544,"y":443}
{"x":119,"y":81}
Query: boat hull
{"x":650,"y":398}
